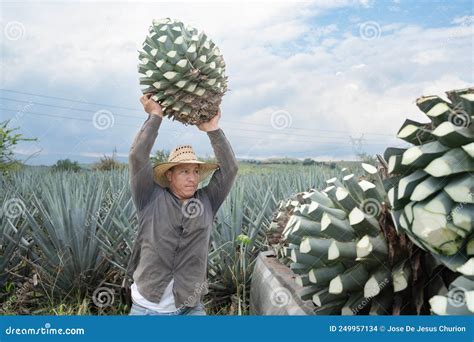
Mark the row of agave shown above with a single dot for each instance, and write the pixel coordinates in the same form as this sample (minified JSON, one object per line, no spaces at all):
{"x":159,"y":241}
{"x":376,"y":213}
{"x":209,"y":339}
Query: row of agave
{"x":66,"y":235}
{"x":393,"y":240}
{"x":52,"y":224}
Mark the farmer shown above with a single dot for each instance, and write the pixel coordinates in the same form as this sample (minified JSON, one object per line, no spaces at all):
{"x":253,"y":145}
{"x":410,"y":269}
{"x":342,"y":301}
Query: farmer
{"x":169,"y":257}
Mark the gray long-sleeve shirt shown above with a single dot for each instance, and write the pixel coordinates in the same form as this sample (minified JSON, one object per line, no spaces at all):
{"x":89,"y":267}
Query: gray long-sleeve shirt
{"x":170,"y":243}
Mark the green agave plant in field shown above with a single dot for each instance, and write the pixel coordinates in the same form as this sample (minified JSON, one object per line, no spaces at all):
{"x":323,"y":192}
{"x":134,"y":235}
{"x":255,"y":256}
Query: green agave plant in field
{"x":236,"y":240}
{"x":433,"y":192}
{"x":16,"y":279}
{"x":64,"y":221}
{"x":344,"y":247}
{"x":118,"y":228}
{"x":184,"y":70}
{"x":77,"y":230}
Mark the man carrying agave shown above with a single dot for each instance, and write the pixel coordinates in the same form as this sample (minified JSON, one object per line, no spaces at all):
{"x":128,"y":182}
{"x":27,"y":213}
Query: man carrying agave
{"x":182,"y":78}
{"x":169,"y":257}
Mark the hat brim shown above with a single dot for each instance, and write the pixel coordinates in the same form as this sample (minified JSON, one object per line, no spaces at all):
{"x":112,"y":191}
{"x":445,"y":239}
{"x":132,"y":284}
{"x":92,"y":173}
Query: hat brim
{"x":159,"y":170}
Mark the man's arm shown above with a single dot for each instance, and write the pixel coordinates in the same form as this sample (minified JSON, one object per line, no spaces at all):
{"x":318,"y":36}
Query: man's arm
{"x":222,"y":180}
{"x":140,"y":168}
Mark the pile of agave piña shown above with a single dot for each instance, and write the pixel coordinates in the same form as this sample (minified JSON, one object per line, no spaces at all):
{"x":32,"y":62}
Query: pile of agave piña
{"x":357,"y":249}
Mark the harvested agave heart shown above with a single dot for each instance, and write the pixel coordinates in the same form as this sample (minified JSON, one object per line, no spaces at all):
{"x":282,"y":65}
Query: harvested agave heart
{"x":184,"y":70}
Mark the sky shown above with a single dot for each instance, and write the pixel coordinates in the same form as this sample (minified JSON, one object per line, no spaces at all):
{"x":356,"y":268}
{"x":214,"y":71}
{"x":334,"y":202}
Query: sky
{"x":320,"y":79}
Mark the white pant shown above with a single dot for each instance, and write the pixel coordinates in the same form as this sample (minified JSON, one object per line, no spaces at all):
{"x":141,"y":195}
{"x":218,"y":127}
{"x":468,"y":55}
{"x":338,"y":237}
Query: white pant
{"x":138,"y":310}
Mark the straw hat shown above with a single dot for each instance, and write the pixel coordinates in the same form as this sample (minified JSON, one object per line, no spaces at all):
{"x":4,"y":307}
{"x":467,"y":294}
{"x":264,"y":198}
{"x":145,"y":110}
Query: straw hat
{"x":183,"y":154}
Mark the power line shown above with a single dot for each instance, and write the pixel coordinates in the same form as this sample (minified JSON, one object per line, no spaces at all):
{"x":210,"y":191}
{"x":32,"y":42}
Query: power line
{"x":290,"y":139}
{"x":59,"y":116}
{"x":167,"y":130}
{"x":275,"y":131}
{"x":304,"y":135}
{"x":138,"y":110}
{"x":71,"y":100}
{"x":314,"y":129}
{"x":69,"y":108}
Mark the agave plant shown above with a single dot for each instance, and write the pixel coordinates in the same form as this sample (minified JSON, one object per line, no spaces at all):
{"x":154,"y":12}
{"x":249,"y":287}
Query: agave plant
{"x":236,"y":240}
{"x":432,"y":196}
{"x":63,"y":226}
{"x":13,"y":243}
{"x":184,"y":70}
{"x":118,"y":228}
{"x":347,"y":254}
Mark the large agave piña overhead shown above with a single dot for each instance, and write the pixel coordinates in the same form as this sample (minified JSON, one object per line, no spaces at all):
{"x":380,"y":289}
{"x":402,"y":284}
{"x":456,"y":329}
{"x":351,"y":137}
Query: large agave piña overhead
{"x":433,"y":196}
{"x":342,"y":244}
{"x":184,"y":70}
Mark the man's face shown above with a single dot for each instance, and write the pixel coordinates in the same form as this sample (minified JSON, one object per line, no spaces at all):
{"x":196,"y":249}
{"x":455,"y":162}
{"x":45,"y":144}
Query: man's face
{"x":183,"y":179}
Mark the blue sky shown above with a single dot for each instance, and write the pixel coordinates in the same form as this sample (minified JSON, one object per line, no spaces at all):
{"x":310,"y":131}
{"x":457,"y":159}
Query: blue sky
{"x":321,"y":79}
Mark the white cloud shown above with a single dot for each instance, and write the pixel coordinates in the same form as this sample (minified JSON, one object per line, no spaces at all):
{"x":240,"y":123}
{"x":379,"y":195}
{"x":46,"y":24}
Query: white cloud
{"x":465,"y":20}
{"x":429,"y":57}
{"x":278,"y":57}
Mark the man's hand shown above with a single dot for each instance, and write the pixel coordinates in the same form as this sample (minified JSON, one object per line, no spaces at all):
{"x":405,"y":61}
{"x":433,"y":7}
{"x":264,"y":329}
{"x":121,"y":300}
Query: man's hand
{"x":212,"y":124}
{"x":150,"y":106}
